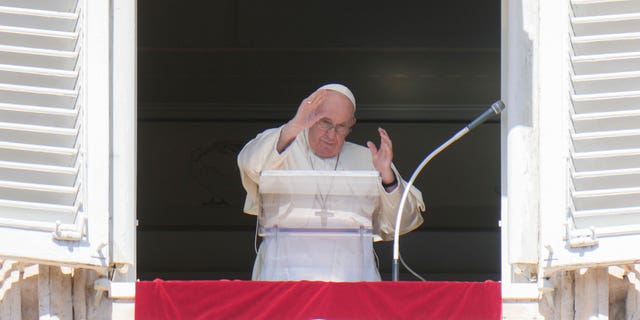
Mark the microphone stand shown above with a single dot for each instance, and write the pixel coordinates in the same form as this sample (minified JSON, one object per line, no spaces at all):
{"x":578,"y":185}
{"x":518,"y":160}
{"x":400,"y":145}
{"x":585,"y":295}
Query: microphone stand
{"x":495,"y":109}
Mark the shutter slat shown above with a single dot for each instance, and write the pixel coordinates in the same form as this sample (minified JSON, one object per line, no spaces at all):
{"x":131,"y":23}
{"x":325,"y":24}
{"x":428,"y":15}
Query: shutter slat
{"x":606,"y":140}
{"x":606,"y":24}
{"x":35,"y":115}
{"x":38,"y":77}
{"x":606,"y":179}
{"x":606,"y":160}
{"x":40,"y":193}
{"x":37,"y":173}
{"x":38,"y":38}
{"x":606,"y":121}
{"x":606,"y":82}
{"x":583,"y":8}
{"x":616,"y":101}
{"x":58,"y":5}
{"x":607,"y":43}
{"x":603,"y":63}
{"x":46,"y":97}
{"x":38,"y":19}
{"x":606,"y":199}
{"x":39,"y":58}
{"x":36,"y":212}
{"x":608,"y":218}
{"x":38,"y":135}
{"x":38,"y":154}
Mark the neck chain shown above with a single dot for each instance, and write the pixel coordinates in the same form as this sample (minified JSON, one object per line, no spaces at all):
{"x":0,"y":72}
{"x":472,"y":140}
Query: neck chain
{"x":335,"y":166}
{"x":323,"y":213}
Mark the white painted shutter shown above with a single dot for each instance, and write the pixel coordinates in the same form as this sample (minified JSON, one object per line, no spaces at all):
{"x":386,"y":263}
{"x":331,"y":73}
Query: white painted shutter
{"x":54,"y":131}
{"x":604,"y":189}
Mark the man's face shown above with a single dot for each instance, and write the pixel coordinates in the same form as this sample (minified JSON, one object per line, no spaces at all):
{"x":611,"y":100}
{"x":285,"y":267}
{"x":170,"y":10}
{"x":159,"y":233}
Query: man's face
{"x":327,"y":136}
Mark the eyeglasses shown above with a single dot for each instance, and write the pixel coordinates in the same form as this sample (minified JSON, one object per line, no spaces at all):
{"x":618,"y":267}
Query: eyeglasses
{"x":326,"y":125}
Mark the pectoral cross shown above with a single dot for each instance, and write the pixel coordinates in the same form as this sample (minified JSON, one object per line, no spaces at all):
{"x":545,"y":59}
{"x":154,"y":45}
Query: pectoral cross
{"x":324,"y":214}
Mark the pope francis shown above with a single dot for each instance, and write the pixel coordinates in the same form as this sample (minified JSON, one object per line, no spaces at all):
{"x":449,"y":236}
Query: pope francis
{"x":315,"y":139}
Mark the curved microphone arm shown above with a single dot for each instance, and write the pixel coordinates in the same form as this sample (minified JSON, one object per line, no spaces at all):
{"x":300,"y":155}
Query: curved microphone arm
{"x":407,"y":188}
{"x":495,"y":109}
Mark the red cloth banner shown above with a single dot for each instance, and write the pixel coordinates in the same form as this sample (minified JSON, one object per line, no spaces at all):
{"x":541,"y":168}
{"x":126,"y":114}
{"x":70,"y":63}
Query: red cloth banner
{"x":226,"y":299}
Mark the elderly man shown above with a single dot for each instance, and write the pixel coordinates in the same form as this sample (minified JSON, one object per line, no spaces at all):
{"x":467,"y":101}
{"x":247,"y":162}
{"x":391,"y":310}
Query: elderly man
{"x":314,"y":139}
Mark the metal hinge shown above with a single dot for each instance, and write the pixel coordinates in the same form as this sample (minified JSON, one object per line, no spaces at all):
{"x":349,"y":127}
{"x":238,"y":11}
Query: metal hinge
{"x":580,"y":238}
{"x":70,"y":232}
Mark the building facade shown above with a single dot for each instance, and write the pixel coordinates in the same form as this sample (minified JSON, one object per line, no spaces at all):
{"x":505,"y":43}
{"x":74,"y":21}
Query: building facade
{"x":570,"y":159}
{"x":67,"y":159}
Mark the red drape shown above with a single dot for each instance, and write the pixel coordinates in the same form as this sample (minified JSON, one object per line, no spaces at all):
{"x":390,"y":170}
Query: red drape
{"x":227,"y":299}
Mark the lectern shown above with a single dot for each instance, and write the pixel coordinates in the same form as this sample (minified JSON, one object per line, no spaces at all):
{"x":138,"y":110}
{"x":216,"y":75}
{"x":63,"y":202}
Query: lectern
{"x":317,"y":225}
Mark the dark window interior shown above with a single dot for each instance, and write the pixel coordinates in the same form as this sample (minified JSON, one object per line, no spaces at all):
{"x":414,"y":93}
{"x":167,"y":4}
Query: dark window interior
{"x":213,"y":74}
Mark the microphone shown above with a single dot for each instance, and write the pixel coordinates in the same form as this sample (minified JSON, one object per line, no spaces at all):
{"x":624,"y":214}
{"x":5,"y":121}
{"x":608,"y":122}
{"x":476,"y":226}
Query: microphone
{"x":495,"y":109}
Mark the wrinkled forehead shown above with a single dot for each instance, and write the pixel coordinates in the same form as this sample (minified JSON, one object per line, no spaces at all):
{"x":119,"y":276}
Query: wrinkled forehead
{"x":337,"y":107}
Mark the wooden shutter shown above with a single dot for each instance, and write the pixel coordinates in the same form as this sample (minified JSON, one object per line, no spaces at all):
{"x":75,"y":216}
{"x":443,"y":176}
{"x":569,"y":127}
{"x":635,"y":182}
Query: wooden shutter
{"x":604,"y":168}
{"x":54,"y":131}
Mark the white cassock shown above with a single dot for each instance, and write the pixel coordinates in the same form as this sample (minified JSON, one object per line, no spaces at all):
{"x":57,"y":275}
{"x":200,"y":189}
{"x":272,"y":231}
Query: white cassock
{"x":326,"y":257}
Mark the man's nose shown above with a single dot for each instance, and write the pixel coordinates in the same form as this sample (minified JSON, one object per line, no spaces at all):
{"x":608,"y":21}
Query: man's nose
{"x":331,"y":133}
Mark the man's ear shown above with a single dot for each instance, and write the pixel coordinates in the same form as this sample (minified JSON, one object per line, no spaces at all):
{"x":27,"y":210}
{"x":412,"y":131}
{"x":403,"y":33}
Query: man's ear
{"x":353,"y":123}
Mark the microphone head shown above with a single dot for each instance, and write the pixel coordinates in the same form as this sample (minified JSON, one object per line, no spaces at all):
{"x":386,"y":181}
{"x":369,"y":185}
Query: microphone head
{"x":498,"y":106}
{"x":495,"y":109}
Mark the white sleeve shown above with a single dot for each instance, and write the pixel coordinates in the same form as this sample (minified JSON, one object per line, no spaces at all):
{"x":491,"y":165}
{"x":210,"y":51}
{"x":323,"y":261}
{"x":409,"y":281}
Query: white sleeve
{"x":257,"y":155}
{"x":385,"y":221}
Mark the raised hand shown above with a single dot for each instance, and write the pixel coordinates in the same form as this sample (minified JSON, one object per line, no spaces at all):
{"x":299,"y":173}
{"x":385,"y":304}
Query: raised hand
{"x":307,"y":115}
{"x":308,"y":112}
{"x":383,"y":156}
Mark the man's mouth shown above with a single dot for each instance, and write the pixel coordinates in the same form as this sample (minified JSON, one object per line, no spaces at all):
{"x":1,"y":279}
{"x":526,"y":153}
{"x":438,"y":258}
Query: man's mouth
{"x":330,"y":143}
